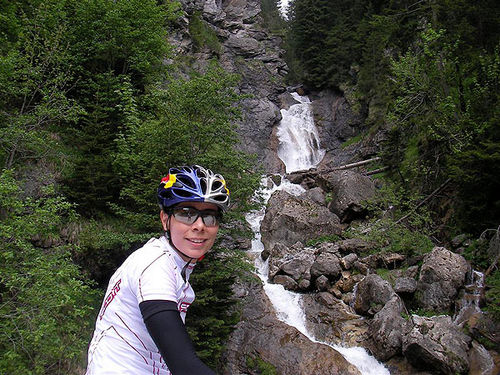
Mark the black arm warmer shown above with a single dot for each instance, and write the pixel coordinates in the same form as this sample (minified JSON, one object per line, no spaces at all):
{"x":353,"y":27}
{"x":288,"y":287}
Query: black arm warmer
{"x":167,"y":330}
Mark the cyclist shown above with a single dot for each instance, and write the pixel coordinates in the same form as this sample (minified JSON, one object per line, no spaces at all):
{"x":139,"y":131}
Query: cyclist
{"x":140,"y":327}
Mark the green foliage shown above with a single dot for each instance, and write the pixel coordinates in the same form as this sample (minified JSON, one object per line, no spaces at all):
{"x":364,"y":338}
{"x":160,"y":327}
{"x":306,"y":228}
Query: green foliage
{"x":493,"y":294}
{"x":202,"y":35}
{"x":271,"y":17}
{"x":213,"y":315}
{"x":263,"y":367}
{"x":322,"y":239}
{"x":47,"y":308}
{"x":193,"y":124}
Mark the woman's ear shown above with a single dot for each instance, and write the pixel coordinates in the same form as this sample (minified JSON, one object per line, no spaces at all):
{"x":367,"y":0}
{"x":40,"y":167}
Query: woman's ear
{"x":164,"y":219}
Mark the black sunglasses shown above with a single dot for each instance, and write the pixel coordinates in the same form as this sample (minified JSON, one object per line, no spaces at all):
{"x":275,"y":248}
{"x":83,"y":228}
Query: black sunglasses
{"x":188,"y":215}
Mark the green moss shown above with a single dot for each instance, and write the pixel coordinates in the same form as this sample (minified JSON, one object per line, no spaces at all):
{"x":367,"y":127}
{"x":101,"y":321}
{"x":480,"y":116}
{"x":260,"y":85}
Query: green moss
{"x":322,"y":239}
{"x":263,"y":367}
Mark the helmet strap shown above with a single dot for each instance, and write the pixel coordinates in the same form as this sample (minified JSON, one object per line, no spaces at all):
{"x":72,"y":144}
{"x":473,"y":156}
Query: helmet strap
{"x":169,"y":238}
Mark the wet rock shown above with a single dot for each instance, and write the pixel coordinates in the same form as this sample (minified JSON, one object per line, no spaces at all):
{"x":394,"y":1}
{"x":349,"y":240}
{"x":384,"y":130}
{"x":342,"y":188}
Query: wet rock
{"x":331,"y":320}
{"x":480,"y":361}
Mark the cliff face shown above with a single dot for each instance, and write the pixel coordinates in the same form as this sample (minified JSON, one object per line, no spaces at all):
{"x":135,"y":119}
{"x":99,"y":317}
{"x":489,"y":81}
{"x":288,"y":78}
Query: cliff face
{"x":246,"y":48}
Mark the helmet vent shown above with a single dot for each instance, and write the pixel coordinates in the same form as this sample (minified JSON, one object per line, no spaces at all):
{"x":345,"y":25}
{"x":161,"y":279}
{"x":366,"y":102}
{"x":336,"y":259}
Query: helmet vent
{"x":203,"y":184}
{"x":186,"y":181}
{"x":182,"y":193}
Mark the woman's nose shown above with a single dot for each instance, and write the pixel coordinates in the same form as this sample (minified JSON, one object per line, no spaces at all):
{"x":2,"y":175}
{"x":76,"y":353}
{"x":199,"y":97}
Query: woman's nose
{"x":198,"y":224}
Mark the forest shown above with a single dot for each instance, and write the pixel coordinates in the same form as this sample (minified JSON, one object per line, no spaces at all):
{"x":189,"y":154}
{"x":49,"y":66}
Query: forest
{"x":91,"y":116}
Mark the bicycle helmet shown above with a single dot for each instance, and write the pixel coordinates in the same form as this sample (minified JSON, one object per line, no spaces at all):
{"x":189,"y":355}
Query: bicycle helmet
{"x":193,"y":184}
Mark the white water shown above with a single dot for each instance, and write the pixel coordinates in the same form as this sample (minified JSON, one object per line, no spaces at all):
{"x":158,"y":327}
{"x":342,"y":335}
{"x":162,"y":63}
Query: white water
{"x":288,"y":305}
{"x":299,"y":146}
{"x":469,"y":303}
{"x":283,"y":8}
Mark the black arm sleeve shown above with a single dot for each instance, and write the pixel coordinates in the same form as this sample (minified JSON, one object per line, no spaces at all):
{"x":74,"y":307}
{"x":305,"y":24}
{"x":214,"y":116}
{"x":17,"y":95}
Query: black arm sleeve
{"x":167,"y":330}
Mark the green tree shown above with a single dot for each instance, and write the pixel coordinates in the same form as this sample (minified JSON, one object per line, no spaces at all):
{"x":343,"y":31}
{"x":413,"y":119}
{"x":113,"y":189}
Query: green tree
{"x":194,"y":123}
{"x":46,"y":307}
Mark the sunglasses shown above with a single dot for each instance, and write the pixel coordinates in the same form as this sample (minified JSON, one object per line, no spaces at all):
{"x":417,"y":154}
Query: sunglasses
{"x":188,"y":215}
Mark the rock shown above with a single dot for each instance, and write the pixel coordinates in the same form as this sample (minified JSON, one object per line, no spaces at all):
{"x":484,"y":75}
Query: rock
{"x":484,"y":328}
{"x":349,"y":189}
{"x":316,"y":195}
{"x":387,"y":329}
{"x":354,"y":245}
{"x":348,"y":261}
{"x":372,"y":293}
{"x":289,"y":219}
{"x":335,"y":120}
{"x":480,"y":361}
{"x":405,"y":285}
{"x":391,"y":260}
{"x":437,"y":344}
{"x":287,"y":282}
{"x":327,"y":264}
{"x":457,"y":241}
{"x":322,"y":283}
{"x":442,"y":274}
{"x":348,"y":281}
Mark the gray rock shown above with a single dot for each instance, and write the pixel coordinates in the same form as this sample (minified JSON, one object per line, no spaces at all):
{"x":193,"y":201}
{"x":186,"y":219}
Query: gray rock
{"x":315,"y":195}
{"x":322,"y":283}
{"x":289,"y":219}
{"x":442,"y":274}
{"x":372,"y":293}
{"x":349,"y":189}
{"x":437,"y":344}
{"x":387,"y":329}
{"x":327,"y":264}
{"x":405,"y":285}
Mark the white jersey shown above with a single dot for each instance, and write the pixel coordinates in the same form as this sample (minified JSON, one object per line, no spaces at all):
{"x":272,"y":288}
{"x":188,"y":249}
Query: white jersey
{"x":121,"y":343}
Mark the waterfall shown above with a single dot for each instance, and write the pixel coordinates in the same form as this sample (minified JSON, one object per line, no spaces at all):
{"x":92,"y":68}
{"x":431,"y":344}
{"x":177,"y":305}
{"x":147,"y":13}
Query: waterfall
{"x":299,"y":146}
{"x":468,"y":304}
{"x":283,"y":8}
{"x":288,"y":305}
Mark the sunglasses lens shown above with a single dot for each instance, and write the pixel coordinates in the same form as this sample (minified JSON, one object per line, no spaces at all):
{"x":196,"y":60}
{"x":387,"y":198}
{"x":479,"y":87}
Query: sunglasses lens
{"x":188,"y":215}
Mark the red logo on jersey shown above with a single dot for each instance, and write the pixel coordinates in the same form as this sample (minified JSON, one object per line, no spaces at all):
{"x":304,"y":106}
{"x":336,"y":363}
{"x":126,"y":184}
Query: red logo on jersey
{"x":110,"y":297}
{"x":183,"y":306}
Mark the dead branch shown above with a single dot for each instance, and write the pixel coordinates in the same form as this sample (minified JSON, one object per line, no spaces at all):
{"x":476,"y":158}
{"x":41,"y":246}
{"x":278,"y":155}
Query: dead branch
{"x":437,"y":190}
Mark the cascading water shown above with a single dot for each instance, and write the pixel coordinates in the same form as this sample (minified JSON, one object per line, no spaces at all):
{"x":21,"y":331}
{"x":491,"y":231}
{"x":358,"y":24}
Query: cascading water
{"x":468,"y":304}
{"x":299,"y":149}
{"x":299,"y":146}
{"x":288,"y":305}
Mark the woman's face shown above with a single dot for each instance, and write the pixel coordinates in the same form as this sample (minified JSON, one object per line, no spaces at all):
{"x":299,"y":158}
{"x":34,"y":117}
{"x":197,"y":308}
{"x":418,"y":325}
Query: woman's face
{"x":194,"y":240}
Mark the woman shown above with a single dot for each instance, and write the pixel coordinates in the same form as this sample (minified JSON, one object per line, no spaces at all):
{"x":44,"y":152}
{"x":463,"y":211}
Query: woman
{"x":140,"y":327}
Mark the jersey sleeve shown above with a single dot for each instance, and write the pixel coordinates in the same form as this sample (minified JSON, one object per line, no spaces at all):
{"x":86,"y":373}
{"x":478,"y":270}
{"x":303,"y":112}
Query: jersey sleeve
{"x":156,"y":279}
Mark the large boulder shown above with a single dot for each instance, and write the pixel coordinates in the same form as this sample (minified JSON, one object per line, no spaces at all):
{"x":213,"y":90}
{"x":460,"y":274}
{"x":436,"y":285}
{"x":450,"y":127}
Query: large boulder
{"x":260,"y":338}
{"x":289,"y":219}
{"x":348,"y":191}
{"x":372,"y":293}
{"x":437,"y":344}
{"x":387,"y":328}
{"x":442,"y":274}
